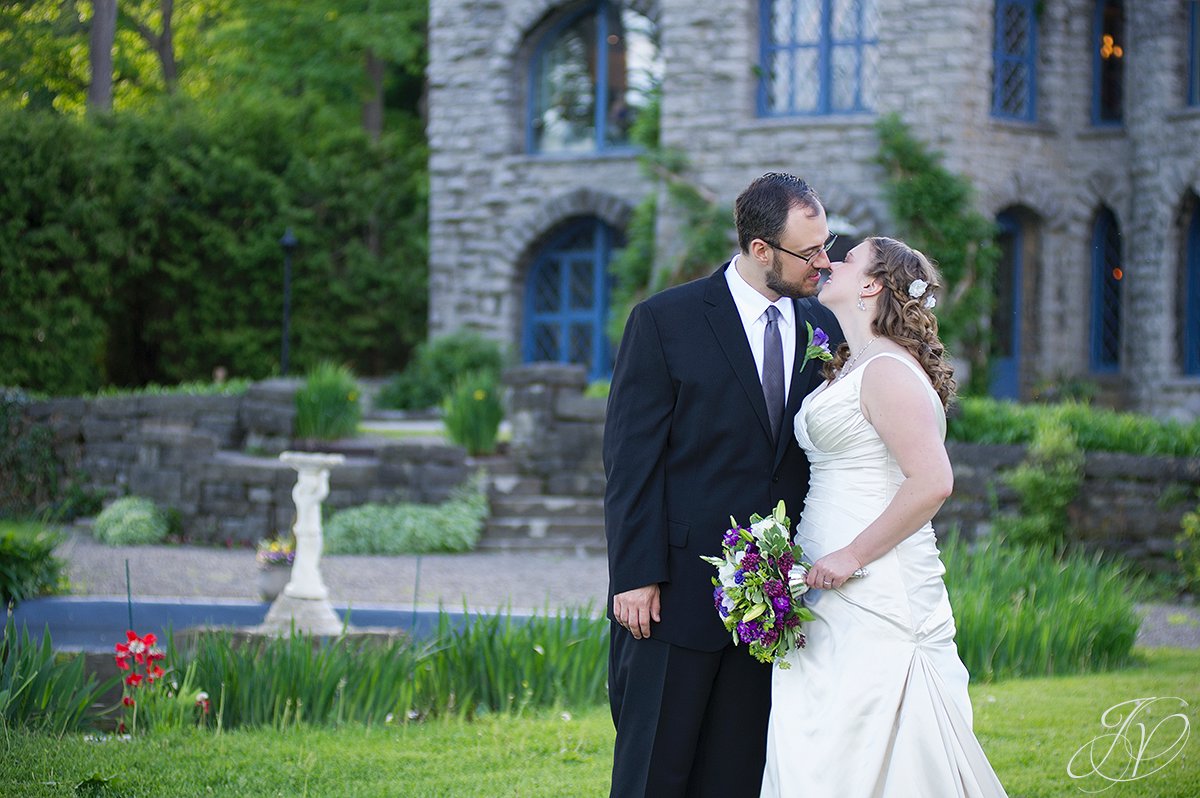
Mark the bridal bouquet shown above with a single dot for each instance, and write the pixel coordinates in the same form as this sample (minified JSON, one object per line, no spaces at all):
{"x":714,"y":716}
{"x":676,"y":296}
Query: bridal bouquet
{"x":757,"y":594}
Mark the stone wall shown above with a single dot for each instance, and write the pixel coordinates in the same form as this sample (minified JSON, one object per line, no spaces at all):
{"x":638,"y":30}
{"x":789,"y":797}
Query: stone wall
{"x":1128,"y":504}
{"x":214,"y":459}
{"x":492,"y":203}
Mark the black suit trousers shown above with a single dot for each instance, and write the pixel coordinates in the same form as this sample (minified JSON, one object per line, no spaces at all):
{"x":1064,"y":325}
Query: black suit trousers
{"x":689,"y":723}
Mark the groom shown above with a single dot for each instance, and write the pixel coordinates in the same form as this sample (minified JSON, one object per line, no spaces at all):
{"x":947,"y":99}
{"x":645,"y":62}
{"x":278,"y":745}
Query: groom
{"x":699,"y":428}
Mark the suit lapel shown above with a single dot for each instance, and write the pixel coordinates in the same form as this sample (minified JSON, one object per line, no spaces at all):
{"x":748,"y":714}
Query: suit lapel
{"x":726,"y":324}
{"x":802,"y":382}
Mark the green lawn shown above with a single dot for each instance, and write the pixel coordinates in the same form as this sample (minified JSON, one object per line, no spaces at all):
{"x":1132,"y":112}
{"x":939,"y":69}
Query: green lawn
{"x":1030,"y":729}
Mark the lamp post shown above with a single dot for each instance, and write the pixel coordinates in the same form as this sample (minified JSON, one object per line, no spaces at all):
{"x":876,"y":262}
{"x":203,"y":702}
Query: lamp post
{"x":288,"y":242}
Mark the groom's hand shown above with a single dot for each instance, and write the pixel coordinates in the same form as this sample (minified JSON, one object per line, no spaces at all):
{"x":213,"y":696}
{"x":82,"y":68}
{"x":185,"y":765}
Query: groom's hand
{"x":634,"y":609}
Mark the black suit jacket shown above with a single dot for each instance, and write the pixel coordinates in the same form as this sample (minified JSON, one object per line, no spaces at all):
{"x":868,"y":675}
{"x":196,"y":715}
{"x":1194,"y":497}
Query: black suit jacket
{"x":687,"y":444}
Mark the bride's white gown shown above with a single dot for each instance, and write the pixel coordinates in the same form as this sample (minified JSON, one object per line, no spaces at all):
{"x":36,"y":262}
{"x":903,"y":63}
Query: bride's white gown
{"x":876,"y":704}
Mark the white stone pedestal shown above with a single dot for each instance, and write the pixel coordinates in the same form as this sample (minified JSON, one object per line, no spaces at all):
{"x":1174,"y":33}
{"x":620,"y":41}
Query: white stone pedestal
{"x":304,"y":603}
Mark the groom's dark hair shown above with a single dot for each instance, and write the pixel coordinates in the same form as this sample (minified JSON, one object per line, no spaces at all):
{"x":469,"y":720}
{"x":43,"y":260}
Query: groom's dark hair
{"x":761,"y":210}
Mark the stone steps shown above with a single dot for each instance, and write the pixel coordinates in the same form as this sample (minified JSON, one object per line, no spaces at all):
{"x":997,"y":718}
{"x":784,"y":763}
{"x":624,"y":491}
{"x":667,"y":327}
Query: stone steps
{"x":524,"y":518}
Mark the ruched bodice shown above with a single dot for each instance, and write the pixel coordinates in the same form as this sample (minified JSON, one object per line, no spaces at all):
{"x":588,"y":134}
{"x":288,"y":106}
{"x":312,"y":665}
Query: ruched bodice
{"x":880,"y":669}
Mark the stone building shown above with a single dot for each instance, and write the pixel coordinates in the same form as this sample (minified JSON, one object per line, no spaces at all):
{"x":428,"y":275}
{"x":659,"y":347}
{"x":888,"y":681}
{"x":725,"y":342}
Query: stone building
{"x":1077,"y":121}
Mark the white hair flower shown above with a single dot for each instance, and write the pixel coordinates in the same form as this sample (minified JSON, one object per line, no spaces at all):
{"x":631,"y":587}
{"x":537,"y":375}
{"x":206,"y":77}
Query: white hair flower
{"x":930,"y":301}
{"x":917,"y":288}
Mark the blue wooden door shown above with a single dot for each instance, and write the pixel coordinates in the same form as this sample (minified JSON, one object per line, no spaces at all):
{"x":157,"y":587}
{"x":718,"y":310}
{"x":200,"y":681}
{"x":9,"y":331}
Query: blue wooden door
{"x":1006,"y":315}
{"x":566,"y":299}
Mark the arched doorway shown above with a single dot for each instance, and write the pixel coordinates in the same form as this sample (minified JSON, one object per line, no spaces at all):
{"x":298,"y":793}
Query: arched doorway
{"x":1107,"y":274}
{"x":566,"y":298}
{"x":1005,"y":380}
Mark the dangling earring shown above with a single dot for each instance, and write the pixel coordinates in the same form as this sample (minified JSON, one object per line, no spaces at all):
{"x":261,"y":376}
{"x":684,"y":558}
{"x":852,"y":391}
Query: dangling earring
{"x":861,"y":305}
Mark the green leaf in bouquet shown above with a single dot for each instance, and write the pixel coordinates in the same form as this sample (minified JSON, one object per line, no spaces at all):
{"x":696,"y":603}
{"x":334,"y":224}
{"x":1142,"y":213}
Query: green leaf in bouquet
{"x":755,"y":611}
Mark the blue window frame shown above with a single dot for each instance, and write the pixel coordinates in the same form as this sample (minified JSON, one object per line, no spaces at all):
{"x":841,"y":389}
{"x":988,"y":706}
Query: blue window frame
{"x":1107,"y":274}
{"x":590,"y":77}
{"x":1006,"y":313}
{"x":1108,"y":64}
{"x":566,"y":299}
{"x":818,"y":57}
{"x":1191,"y":292}
{"x":1014,"y":56}
{"x":1193,"y":57}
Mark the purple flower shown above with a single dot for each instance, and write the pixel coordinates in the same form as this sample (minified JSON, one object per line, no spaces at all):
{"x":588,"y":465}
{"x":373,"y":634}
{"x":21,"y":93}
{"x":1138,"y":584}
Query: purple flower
{"x":774,"y":587}
{"x":750,"y":562}
{"x":732,"y":536}
{"x":749,"y":632}
{"x":751,"y":548}
{"x":801,"y":640}
{"x":739,"y":576}
{"x":786,"y":562}
{"x":781,"y":603}
{"x":820,"y":338}
{"x":769,"y":637}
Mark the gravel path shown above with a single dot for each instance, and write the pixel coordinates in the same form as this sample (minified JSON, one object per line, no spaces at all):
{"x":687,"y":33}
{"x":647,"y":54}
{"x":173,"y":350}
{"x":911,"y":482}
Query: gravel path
{"x":520,"y":582}
{"x":482,"y":581}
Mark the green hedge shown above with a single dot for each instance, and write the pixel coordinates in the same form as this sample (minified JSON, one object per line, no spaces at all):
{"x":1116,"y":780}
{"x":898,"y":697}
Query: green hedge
{"x":408,"y":528}
{"x":131,"y":521}
{"x":982,"y":420}
{"x":28,"y":566}
{"x":145,"y":248}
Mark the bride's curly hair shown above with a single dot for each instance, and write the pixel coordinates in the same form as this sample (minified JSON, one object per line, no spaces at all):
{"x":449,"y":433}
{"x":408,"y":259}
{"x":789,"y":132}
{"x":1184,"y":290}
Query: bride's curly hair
{"x":903,"y":318}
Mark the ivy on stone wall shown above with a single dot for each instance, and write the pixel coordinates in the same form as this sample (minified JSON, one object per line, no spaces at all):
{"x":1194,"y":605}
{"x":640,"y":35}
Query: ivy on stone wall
{"x":933,"y":212}
{"x":642,"y":267}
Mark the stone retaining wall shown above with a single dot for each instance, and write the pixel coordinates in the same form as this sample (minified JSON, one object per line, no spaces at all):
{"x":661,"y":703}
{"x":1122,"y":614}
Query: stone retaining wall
{"x":1128,"y":504}
{"x":214,"y":459}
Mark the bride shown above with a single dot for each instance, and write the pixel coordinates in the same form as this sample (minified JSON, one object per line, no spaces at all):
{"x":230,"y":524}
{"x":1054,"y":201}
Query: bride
{"x":876,"y":704}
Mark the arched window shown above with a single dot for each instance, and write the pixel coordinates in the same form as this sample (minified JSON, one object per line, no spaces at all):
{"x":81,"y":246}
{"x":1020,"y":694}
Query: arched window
{"x":566,"y":298}
{"x":818,"y":56}
{"x":1190,"y":343}
{"x":1107,"y":274}
{"x":592,"y":74}
{"x":1193,"y":54}
{"x":1014,"y":56}
{"x":1006,"y":313}
{"x":1108,"y":90}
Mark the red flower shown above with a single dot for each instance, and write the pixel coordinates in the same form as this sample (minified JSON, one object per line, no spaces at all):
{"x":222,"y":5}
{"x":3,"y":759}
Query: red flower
{"x":121,"y":727}
{"x":149,"y":640}
{"x":156,"y":672}
{"x":127,"y":701}
{"x":123,"y":663}
{"x":139,"y":658}
{"x":133,"y":679}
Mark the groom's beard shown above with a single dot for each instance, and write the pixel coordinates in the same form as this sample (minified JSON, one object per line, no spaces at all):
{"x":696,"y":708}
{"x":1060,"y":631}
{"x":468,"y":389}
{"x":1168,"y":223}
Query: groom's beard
{"x":796,"y":290}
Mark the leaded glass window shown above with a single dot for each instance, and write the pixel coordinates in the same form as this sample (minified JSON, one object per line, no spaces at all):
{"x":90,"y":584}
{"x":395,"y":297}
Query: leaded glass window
{"x":1014,"y":56}
{"x":591,"y":76}
{"x":1108,"y":94}
{"x":818,"y":56}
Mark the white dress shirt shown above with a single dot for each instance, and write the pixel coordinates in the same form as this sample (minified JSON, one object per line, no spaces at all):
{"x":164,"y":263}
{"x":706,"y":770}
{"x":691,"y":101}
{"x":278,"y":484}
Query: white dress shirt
{"x":752,"y":307}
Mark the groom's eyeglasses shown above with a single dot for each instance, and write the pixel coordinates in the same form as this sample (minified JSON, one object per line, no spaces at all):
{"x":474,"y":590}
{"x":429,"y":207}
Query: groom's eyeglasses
{"x":808,"y":259}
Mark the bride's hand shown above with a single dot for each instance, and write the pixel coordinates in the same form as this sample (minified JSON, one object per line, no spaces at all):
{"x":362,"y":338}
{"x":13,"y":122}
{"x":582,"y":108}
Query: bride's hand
{"x":832,"y":570}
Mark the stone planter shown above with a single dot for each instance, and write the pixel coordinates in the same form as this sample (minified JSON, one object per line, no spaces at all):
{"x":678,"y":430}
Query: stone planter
{"x":272,"y":580}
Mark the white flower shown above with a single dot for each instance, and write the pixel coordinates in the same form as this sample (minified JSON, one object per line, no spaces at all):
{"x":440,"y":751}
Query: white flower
{"x":917,"y":288}
{"x":930,"y":301}
{"x":725,"y":574}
